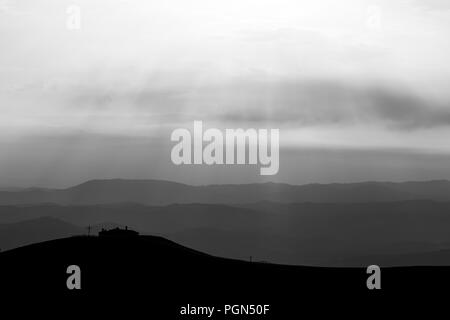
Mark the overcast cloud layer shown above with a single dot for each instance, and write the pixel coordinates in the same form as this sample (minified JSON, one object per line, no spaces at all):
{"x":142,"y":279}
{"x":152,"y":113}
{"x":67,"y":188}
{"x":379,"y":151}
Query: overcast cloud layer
{"x":367,"y":78}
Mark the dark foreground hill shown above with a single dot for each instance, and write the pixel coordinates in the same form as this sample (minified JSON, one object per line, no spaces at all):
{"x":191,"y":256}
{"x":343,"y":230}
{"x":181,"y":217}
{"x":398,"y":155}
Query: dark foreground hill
{"x":157,"y":192}
{"x":164,"y":276}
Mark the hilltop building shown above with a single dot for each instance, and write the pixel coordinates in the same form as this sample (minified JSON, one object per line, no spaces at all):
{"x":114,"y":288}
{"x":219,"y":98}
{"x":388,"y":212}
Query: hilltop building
{"x":117,"y":232}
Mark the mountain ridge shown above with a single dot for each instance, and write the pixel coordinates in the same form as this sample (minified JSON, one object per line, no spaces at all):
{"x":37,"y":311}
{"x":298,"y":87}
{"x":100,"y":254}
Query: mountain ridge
{"x":163,"y":192}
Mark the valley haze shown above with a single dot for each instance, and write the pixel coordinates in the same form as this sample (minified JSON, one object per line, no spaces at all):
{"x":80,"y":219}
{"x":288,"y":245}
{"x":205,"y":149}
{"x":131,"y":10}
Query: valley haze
{"x":315,"y":224}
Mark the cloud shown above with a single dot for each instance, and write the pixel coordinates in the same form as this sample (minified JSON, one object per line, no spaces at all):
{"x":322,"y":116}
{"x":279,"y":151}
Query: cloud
{"x":332,"y":103}
{"x":432,"y":4}
{"x":289,"y":103}
{"x":405,"y":111}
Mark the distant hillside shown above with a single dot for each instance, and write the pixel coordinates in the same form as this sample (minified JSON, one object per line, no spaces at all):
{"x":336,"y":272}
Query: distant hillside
{"x":37,"y":230}
{"x":426,"y":258}
{"x":156,"y":192}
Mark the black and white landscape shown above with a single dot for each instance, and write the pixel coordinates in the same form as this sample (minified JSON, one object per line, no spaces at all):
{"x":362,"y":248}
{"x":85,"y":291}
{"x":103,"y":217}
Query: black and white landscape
{"x":259,"y":148}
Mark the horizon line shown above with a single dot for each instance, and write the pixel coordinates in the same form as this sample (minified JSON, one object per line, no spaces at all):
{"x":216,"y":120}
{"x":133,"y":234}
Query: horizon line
{"x":25,"y":188}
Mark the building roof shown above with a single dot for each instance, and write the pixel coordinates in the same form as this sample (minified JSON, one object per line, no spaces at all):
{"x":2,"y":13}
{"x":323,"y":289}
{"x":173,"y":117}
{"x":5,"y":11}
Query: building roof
{"x":118,"y":232}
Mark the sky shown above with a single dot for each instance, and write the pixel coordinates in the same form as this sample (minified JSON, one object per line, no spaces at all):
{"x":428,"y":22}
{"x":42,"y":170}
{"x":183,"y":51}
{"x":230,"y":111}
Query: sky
{"x":93,"y":88}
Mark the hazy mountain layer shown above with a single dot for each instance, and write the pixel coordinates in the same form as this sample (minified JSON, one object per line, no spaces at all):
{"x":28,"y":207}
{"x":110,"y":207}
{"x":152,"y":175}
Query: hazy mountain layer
{"x":156,"y":192}
{"x":304,"y":233}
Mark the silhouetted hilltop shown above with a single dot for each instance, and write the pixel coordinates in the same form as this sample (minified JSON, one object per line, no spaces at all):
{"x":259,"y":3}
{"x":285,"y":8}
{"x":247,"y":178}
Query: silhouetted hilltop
{"x":157,"y":192}
{"x":165,"y":276}
{"x":13,"y":235}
